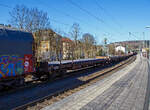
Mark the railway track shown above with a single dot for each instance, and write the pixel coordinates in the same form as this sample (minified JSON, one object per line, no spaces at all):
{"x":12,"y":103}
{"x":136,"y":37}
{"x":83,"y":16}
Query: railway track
{"x":86,"y":81}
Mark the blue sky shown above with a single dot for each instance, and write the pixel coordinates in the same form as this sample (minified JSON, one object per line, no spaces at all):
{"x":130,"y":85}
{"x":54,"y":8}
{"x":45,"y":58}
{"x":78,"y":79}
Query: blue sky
{"x":119,"y":17}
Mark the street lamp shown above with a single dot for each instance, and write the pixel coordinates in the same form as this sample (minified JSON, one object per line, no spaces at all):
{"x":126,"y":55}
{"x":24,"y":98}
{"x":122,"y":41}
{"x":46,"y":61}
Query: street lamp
{"x":149,"y":43}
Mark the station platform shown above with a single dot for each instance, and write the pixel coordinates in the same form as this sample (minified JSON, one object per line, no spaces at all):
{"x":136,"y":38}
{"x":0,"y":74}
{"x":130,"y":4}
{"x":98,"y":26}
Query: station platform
{"x":127,"y":89}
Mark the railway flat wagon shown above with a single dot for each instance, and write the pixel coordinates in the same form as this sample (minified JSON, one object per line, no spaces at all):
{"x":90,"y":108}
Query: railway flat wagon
{"x":16,"y":56}
{"x":57,"y":68}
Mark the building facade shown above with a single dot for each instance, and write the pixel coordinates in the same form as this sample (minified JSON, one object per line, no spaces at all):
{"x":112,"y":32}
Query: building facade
{"x":67,"y":48}
{"x":47,"y":45}
{"x":120,"y":49}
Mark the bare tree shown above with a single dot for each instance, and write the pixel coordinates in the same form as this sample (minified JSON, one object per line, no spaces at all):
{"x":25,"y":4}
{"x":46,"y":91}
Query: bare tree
{"x":89,"y":45}
{"x":111,"y":49}
{"x":19,"y":15}
{"x":75,"y":33}
{"x":28,"y":19}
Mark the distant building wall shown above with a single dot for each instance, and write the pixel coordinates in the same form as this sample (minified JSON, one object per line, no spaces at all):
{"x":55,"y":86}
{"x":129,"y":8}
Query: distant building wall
{"x":120,"y":48}
{"x":66,"y":49}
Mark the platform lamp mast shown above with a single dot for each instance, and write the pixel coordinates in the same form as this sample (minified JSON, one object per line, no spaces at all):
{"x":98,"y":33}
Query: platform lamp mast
{"x":143,"y":40}
{"x":149,"y":43}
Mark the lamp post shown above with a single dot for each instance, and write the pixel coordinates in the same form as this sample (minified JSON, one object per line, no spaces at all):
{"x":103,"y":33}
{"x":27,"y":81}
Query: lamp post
{"x":149,"y":43}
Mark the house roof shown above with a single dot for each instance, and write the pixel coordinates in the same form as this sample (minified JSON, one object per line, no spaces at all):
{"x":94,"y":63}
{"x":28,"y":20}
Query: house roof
{"x":64,"y":39}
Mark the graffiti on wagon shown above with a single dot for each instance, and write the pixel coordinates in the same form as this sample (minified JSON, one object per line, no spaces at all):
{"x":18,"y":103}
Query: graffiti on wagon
{"x":11,"y":66}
